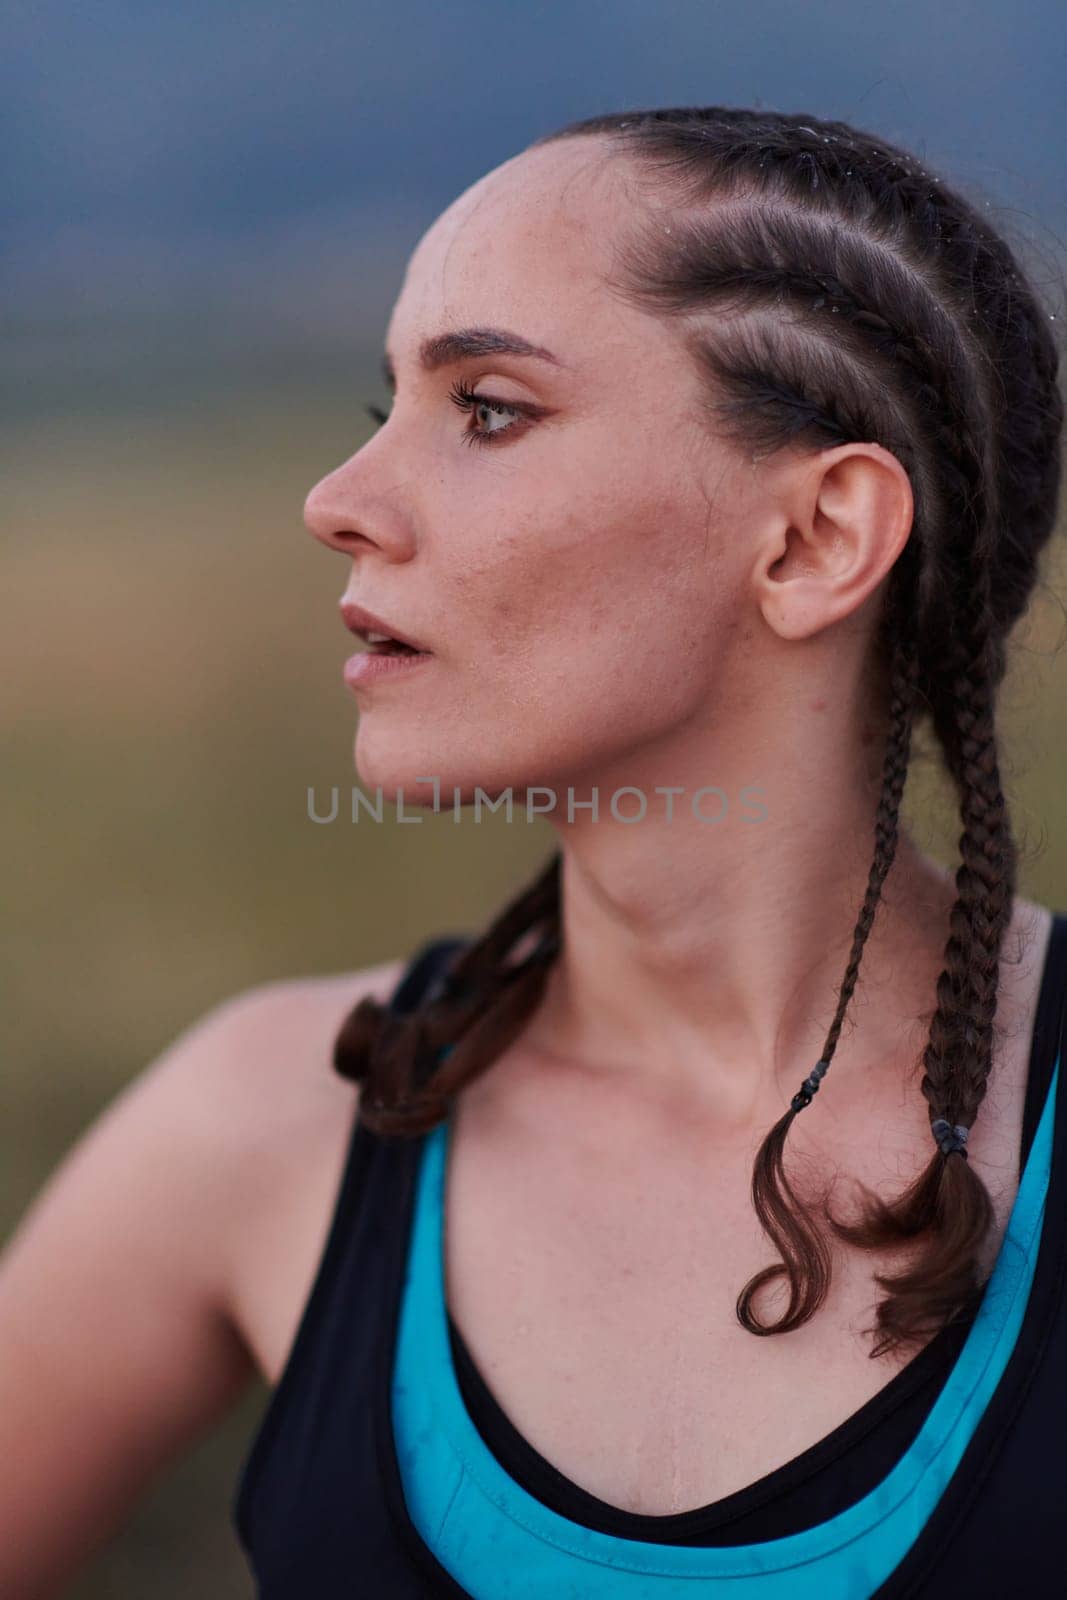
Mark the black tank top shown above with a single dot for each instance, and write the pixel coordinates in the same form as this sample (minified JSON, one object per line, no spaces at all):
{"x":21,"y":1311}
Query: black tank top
{"x":319,"y":1507}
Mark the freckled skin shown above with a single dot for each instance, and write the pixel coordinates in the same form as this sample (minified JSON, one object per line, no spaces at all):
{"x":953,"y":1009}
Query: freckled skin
{"x":573,"y":582}
{"x":615,"y":596}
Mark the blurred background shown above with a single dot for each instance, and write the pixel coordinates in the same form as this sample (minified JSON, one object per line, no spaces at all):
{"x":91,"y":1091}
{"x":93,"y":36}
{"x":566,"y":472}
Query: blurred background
{"x":209,"y":208}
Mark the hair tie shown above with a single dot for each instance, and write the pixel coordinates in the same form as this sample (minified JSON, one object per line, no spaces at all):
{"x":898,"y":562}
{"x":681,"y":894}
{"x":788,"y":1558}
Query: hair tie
{"x":951,"y":1140}
{"x":810,"y":1087}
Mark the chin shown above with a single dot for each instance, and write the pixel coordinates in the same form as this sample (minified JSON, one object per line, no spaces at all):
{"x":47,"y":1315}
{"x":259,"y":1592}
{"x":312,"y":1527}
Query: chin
{"x":479,"y":760}
{"x":402,"y":769}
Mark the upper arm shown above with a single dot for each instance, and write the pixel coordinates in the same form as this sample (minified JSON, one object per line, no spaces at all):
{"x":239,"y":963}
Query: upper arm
{"x":116,"y":1347}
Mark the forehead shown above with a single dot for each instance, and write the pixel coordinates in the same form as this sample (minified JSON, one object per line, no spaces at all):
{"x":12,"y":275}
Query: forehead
{"x":529,"y":244}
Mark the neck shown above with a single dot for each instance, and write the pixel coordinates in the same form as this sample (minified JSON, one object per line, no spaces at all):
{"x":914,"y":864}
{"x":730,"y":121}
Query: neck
{"x":702,"y":960}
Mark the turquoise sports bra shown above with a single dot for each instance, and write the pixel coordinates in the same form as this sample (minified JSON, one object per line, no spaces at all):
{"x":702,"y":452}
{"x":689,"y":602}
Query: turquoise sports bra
{"x":499,"y":1542}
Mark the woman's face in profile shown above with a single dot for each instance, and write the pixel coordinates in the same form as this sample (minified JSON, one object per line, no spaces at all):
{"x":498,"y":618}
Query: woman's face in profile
{"x":577,"y":574}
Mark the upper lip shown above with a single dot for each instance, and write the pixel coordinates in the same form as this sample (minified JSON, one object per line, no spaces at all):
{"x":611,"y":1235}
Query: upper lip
{"x":361,"y":621}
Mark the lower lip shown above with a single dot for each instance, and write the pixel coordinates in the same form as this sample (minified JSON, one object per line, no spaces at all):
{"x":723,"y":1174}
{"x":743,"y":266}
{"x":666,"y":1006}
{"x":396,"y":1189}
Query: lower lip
{"x":369,"y":667}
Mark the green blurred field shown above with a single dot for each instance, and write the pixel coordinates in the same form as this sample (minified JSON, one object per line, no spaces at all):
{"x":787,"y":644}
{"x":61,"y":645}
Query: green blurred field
{"x":173,"y":688}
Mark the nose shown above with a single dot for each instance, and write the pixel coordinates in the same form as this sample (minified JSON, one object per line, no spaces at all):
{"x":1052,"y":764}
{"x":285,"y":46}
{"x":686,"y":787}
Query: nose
{"x":344,"y":514}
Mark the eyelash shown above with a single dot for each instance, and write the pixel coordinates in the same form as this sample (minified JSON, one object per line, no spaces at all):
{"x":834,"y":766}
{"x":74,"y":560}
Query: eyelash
{"x":463,"y":396}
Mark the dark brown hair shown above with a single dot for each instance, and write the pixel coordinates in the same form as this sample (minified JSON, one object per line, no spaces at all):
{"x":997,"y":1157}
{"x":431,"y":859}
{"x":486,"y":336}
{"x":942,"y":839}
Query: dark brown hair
{"x":866,"y":301}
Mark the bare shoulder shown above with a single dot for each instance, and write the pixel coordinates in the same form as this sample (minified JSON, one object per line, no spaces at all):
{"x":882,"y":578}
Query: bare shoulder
{"x":1030,"y":927}
{"x":266,"y":1072}
{"x":1023,"y":957}
{"x":265,"y":1054}
{"x":117,"y":1289}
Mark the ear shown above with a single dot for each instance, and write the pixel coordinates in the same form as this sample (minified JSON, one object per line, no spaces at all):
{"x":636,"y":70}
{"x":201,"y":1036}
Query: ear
{"x":841,"y":519}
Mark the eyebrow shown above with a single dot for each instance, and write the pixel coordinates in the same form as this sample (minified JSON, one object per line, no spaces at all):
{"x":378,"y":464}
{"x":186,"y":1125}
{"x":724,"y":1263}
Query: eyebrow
{"x":445,"y":349}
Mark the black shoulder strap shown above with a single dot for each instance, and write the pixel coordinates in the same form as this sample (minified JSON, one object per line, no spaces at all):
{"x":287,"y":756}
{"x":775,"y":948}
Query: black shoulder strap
{"x":1050,"y":1022}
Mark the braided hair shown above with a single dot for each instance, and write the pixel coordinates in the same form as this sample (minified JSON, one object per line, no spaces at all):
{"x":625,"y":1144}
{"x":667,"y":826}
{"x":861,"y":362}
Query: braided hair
{"x":866,"y":301}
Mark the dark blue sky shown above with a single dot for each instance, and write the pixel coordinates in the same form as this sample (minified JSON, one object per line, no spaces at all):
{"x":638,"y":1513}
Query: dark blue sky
{"x":261,"y":171}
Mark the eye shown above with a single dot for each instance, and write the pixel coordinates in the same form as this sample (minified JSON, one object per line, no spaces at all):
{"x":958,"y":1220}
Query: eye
{"x":476,"y":405}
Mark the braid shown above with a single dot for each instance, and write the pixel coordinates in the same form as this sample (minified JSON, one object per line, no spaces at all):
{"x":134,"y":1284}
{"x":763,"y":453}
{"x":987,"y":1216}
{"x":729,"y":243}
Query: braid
{"x":834,"y":291}
{"x":948,"y":1202}
{"x":482,"y":1007}
{"x":806,"y":1257}
{"x":908,"y":322}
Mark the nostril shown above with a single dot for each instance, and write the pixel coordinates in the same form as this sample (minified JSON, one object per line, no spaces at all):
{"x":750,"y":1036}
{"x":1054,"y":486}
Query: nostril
{"x":326,"y":523}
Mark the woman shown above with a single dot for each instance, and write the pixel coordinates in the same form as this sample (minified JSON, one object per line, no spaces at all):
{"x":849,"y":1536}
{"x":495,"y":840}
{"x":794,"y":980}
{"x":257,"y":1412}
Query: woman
{"x":765,"y":436}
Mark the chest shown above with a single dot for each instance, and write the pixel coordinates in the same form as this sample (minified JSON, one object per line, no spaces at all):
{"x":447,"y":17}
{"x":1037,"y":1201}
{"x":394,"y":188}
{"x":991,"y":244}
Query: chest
{"x":593,"y":1265}
{"x":594,"y":1277}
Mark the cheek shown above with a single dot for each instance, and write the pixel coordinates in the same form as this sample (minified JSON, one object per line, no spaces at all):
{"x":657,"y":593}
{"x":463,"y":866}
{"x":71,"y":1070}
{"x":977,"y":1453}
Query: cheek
{"x":594,"y":612}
